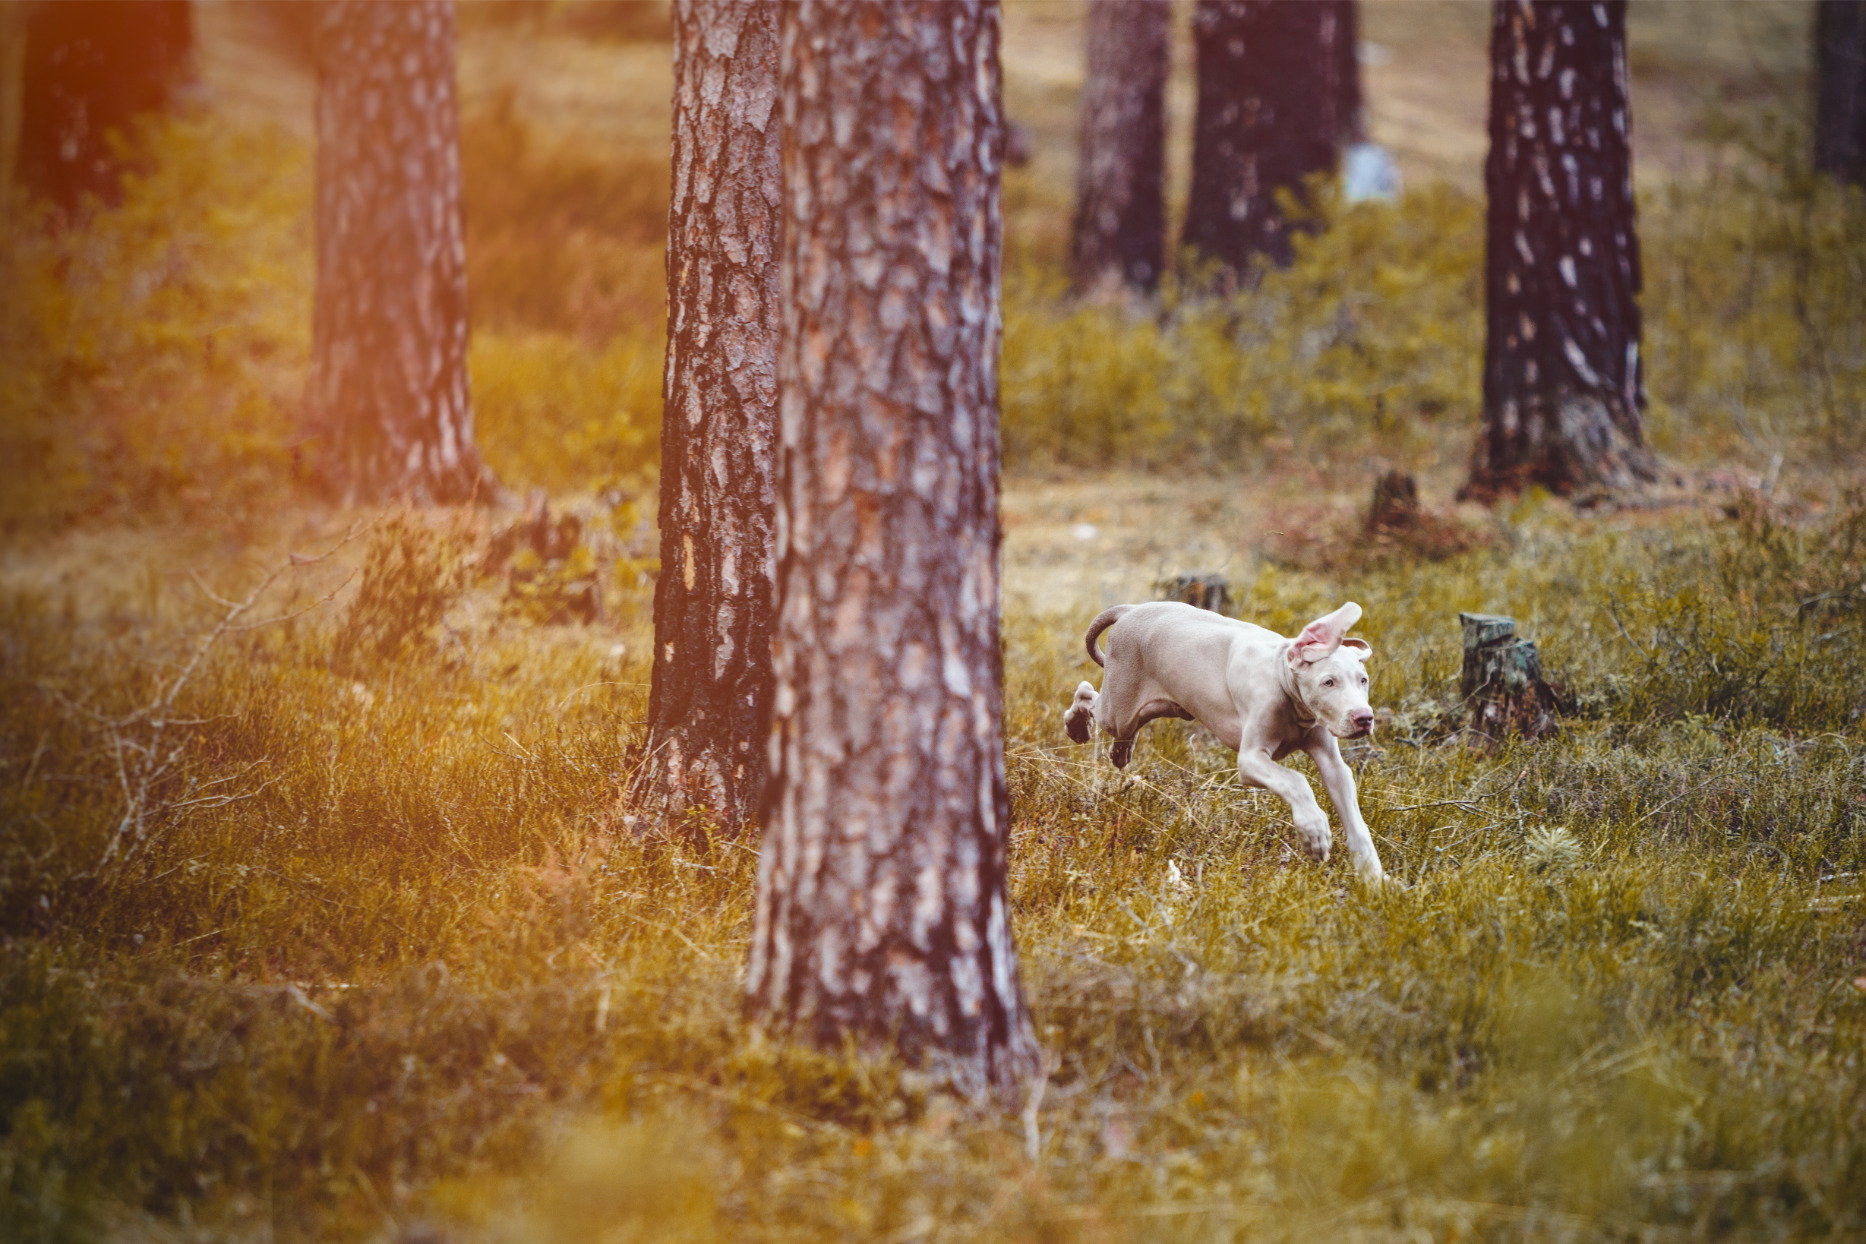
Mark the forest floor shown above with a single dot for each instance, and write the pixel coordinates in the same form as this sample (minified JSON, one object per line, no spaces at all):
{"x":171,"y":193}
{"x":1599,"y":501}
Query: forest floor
{"x":380,"y":956}
{"x":343,"y":932}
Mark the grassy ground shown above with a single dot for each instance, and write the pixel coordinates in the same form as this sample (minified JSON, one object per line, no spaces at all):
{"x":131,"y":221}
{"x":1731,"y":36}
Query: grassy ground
{"x":336,"y":927}
{"x":382,"y":948}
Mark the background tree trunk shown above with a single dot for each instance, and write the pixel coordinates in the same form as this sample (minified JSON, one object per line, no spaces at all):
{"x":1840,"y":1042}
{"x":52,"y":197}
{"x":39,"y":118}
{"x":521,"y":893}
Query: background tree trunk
{"x":1268,"y":116}
{"x":882,"y":909}
{"x":1840,"y":89}
{"x":1120,"y":222}
{"x":12,"y":96}
{"x":90,"y":69}
{"x":1562,"y":374}
{"x":1350,"y":101}
{"x":389,"y":335}
{"x":715,"y":601}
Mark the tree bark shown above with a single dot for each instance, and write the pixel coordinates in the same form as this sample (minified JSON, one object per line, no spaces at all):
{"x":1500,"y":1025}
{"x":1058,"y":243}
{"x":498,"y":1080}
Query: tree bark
{"x":1563,"y":384}
{"x":1840,"y":89}
{"x":91,"y":69}
{"x":1120,"y":222}
{"x":389,"y":335}
{"x":882,"y":909}
{"x":1268,"y":116}
{"x":715,"y":601}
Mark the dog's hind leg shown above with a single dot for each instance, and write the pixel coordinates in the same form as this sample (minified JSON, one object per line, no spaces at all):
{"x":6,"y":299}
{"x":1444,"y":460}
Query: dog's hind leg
{"x":1079,"y":717}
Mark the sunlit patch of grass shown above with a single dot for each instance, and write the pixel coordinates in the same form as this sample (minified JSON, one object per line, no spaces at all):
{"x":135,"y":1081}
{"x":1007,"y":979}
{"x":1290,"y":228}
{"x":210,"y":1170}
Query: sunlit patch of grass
{"x":425,"y":970}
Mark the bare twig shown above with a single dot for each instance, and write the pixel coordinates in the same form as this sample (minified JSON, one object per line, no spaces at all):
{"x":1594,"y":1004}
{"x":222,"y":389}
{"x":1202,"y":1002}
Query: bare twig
{"x":147,"y":746}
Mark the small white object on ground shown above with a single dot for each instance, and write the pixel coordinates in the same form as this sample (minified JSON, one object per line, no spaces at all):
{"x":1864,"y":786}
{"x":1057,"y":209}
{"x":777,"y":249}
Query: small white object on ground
{"x":1086,"y":531}
{"x":1369,"y":173}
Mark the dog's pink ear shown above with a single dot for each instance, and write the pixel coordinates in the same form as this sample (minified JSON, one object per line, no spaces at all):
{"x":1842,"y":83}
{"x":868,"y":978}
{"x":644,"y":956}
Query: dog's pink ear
{"x":1359,"y":647}
{"x":1321,"y":637}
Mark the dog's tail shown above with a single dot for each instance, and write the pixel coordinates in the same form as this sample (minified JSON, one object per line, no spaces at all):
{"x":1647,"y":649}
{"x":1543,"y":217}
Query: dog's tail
{"x":1105,"y":619}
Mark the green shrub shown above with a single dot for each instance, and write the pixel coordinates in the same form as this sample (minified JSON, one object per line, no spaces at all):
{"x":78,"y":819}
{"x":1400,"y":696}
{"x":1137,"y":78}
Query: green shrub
{"x":1370,"y":337}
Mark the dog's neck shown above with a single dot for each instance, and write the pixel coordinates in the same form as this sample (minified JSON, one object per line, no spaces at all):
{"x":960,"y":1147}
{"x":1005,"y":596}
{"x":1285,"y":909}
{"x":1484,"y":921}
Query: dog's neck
{"x":1301,"y":715}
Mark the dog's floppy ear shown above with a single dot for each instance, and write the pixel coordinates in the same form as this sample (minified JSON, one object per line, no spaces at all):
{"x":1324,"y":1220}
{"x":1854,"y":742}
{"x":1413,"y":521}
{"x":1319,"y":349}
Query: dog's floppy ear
{"x":1322,"y":636}
{"x":1359,"y":648}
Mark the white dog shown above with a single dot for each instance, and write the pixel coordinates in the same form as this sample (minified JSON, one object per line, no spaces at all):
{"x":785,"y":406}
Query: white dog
{"x":1258,"y":692}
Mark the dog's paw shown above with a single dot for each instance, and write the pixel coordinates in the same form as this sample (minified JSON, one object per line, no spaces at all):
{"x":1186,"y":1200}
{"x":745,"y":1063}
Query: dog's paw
{"x":1315,"y":839}
{"x":1121,"y":752}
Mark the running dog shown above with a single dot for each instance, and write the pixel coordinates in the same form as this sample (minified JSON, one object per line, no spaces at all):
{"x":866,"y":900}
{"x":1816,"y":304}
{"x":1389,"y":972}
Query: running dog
{"x":1260,"y":693}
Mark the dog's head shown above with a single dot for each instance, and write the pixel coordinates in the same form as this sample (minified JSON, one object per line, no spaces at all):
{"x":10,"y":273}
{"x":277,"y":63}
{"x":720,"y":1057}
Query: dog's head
{"x":1330,"y":673}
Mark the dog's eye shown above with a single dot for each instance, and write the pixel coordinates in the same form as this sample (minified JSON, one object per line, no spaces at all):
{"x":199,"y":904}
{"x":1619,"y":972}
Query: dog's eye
{"x":1328,"y":682}
{"x":1363,"y":680}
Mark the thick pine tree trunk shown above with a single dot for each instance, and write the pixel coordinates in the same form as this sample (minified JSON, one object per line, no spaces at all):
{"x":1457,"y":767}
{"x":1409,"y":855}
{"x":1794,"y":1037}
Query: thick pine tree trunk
{"x":1562,"y":375}
{"x":715,"y":602}
{"x":389,"y":334}
{"x":1120,"y":222}
{"x":1840,"y":89}
{"x":1268,"y":116}
{"x":90,"y":69}
{"x":882,"y":911}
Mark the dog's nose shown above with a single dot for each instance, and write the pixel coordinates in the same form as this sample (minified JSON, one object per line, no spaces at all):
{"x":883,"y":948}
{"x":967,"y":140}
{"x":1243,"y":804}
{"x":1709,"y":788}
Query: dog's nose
{"x":1363,"y":718}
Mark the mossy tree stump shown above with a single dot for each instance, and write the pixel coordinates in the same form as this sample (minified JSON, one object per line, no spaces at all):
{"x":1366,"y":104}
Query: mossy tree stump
{"x":1502,"y":683}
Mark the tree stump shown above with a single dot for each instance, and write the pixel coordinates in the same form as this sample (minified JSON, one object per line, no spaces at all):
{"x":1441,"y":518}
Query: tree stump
{"x":1201,"y":591}
{"x":1396,"y":503}
{"x":1502,"y":684}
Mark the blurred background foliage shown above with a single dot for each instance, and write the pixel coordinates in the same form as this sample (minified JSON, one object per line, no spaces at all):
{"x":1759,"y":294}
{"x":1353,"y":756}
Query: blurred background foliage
{"x":154,"y":354}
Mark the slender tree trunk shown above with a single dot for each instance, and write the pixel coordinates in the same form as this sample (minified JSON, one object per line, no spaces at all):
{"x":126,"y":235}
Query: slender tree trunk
{"x":1562,"y":373}
{"x":715,"y":602}
{"x":389,"y":335}
{"x":1840,"y":89}
{"x":12,"y":96}
{"x":1350,"y":102}
{"x":882,"y":910}
{"x":1268,"y":116}
{"x":1120,"y":223}
{"x":91,"y":69}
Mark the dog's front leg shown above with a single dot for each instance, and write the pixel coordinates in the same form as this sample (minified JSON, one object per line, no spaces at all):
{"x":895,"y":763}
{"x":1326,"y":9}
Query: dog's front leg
{"x":1338,"y":781}
{"x":1257,"y":769}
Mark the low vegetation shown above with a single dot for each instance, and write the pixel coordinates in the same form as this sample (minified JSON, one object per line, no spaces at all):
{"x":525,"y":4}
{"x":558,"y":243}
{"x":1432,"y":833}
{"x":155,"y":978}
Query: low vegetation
{"x":386,"y":947}
{"x":154,"y":359}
